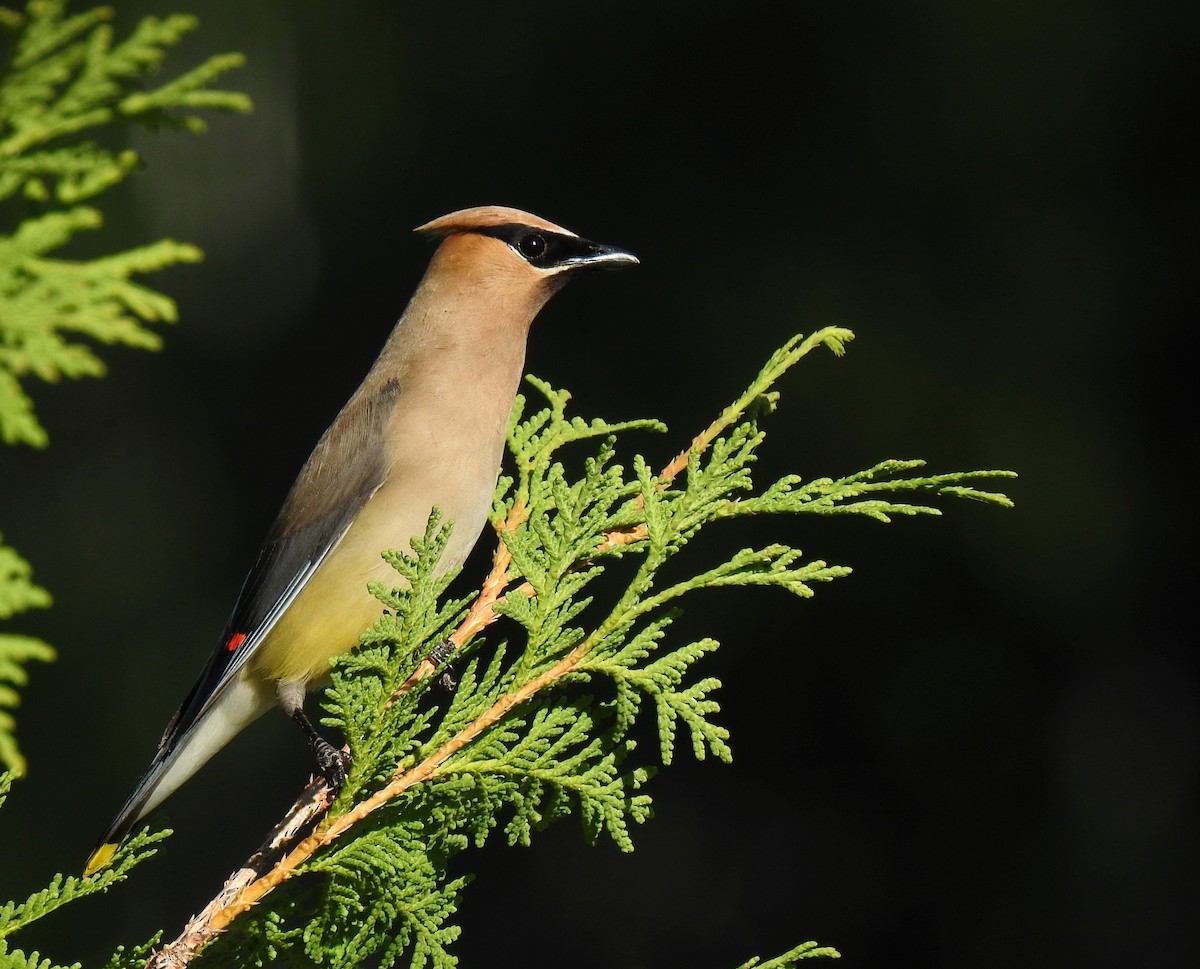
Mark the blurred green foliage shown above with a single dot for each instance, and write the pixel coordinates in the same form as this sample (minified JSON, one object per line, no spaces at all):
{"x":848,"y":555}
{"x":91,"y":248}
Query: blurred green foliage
{"x":65,"y":80}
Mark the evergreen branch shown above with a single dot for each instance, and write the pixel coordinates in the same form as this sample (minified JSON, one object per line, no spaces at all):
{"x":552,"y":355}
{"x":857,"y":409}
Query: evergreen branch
{"x":68,"y":76}
{"x":14,"y":652}
{"x":806,"y":950}
{"x":413,"y":915}
{"x":79,"y":171}
{"x":516,"y":735}
{"x":63,"y":890}
{"x":834,"y":338}
{"x":46,"y":30}
{"x":18,"y":592}
{"x":189,"y":91}
{"x":45,"y":300}
{"x":828,"y":496}
{"x":558,"y":755}
{"x":17,"y":421}
{"x":16,"y":959}
{"x":132,"y":958}
{"x":80,"y":82}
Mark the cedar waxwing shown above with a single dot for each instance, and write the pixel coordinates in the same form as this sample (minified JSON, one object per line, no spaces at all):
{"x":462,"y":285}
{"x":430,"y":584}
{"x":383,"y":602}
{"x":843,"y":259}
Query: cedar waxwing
{"x":426,"y":427}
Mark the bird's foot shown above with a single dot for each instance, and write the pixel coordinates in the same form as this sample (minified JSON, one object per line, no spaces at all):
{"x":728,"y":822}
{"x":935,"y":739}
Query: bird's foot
{"x":333,"y":763}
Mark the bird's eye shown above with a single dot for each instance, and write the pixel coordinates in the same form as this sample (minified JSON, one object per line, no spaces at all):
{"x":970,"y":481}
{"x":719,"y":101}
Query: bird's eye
{"x":532,"y":246}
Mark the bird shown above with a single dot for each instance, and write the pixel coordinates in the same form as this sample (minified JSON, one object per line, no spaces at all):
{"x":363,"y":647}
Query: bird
{"x":426,"y":428}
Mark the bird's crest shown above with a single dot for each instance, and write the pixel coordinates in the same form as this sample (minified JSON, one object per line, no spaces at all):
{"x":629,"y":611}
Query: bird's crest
{"x":485,"y":217}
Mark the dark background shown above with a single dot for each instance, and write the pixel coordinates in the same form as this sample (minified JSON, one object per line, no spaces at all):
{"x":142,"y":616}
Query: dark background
{"x":979,"y":750}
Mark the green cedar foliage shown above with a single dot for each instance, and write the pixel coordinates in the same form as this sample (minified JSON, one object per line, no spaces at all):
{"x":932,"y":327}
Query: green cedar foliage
{"x":63,"y":890}
{"x":17,"y":593}
{"x":67,"y":78}
{"x":806,"y":950}
{"x":541,"y":723}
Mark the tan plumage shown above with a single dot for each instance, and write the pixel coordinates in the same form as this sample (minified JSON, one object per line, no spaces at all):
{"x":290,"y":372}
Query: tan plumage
{"x":425,"y":428}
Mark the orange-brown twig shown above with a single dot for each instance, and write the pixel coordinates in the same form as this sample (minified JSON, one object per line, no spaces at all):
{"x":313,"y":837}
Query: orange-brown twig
{"x":310,"y":806}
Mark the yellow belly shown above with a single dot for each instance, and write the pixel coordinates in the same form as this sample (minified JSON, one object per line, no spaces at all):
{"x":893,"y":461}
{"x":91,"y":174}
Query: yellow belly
{"x":330,"y":612}
{"x":324,"y":621}
{"x":334,"y":607}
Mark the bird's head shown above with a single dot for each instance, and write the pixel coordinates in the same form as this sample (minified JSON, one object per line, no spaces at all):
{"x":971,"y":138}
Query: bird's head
{"x":518,"y":249}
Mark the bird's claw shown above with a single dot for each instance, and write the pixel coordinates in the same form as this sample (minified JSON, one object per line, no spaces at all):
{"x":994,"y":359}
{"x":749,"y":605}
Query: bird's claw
{"x":333,"y":763}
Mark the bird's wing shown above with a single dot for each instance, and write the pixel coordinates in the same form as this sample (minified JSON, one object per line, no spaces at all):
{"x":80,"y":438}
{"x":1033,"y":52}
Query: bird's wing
{"x":345,"y":469}
{"x":347,"y":466}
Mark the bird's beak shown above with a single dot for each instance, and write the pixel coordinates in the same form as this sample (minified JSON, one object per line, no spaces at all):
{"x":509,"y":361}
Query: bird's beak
{"x":594,"y":255}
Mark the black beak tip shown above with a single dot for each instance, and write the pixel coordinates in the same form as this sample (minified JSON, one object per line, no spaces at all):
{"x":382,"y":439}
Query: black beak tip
{"x":612,"y":257}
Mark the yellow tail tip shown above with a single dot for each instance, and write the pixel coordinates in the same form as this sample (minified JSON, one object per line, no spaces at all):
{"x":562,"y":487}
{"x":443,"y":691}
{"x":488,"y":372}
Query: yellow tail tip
{"x":99,"y":859}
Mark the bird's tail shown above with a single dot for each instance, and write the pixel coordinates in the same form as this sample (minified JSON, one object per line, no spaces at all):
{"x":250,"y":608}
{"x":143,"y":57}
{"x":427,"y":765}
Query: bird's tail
{"x":123,"y":823}
{"x":179,"y":758}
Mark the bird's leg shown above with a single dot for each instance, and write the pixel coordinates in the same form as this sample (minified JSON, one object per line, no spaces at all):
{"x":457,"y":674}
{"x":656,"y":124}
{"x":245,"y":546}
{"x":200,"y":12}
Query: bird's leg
{"x":332,"y":762}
